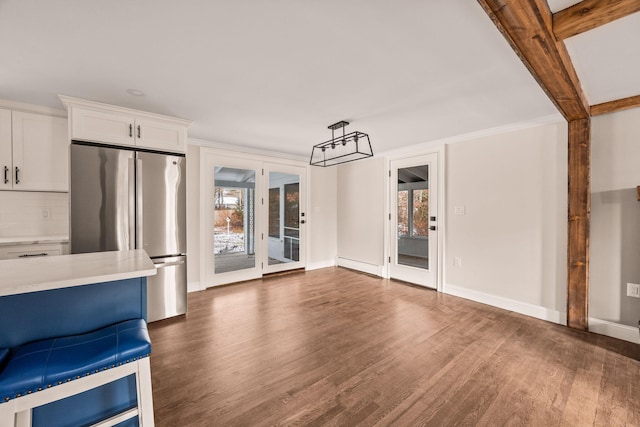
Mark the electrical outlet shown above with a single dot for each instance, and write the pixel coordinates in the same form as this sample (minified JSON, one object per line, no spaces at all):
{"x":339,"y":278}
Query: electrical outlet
{"x":46,"y":214}
{"x":457,"y":261}
{"x":633,"y":290}
{"x":459,"y":210}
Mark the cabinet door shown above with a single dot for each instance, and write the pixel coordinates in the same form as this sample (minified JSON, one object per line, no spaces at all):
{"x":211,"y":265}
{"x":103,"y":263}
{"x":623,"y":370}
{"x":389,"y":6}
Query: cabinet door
{"x":102,"y":126}
{"x":40,"y":152}
{"x":6,"y":165}
{"x":160,"y":135}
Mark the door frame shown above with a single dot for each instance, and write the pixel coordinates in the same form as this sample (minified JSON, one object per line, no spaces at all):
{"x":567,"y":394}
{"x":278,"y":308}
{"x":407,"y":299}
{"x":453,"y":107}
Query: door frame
{"x":440,"y":210}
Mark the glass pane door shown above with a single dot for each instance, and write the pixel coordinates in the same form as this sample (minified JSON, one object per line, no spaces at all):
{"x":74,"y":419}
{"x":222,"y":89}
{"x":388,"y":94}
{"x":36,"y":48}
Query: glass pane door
{"x":413,"y":209}
{"x":231,"y":221}
{"x":286,"y":217}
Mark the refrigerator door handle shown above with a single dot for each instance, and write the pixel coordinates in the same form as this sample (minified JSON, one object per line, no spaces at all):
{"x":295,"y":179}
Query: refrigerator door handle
{"x":139,"y":224}
{"x":132,"y":204}
{"x":168,"y":264}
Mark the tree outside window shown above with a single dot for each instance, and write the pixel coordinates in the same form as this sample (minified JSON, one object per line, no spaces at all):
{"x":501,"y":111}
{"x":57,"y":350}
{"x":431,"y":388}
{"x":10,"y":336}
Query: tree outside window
{"x":413,"y":213}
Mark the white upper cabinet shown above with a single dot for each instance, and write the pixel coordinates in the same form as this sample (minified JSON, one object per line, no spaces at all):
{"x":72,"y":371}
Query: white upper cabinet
{"x":102,"y":126}
{"x":109,"y":124}
{"x":34,"y":152}
{"x":160,"y":135}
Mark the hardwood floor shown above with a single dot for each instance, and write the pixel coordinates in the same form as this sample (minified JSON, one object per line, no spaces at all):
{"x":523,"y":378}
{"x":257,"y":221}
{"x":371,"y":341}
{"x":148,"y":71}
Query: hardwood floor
{"x":336,"y":347}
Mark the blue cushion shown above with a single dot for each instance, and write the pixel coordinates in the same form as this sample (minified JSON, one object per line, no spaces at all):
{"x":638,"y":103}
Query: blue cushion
{"x":43,"y":364}
{"x":4,"y":355}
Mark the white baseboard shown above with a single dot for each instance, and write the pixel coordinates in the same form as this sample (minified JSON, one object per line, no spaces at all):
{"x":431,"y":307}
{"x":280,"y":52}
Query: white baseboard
{"x":376,"y":270}
{"x":193,"y":287}
{"x":320,"y":264}
{"x":615,"y":330}
{"x":527,"y":309}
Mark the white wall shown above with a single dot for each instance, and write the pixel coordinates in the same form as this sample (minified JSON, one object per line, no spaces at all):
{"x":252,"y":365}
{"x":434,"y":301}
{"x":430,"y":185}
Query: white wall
{"x":322,"y":217}
{"x":615,"y":217}
{"x":193,"y":217}
{"x":361,"y":212}
{"x":512,"y":238}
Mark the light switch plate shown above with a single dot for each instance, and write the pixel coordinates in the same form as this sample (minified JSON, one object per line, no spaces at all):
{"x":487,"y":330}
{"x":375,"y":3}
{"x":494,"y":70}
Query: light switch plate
{"x":633,"y":290}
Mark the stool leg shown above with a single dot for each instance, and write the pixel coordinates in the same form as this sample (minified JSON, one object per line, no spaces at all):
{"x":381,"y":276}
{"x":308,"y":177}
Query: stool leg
{"x":23,"y":418}
{"x":7,"y":414}
{"x":145,"y":393}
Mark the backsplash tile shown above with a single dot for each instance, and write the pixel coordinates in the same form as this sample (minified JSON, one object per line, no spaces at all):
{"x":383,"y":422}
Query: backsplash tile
{"x":22,"y":214}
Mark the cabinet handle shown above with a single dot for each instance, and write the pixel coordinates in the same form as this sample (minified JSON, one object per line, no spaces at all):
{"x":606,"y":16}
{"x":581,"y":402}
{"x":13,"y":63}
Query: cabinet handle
{"x":130,"y":130}
{"x":138,"y":131}
{"x":32,"y":255}
{"x":6,"y":175}
{"x":17,"y":178}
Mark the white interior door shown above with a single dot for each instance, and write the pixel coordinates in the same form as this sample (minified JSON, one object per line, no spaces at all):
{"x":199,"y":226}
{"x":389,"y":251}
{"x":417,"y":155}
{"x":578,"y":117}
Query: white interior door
{"x":414,"y":220}
{"x":232,"y":218}
{"x":284,"y":217}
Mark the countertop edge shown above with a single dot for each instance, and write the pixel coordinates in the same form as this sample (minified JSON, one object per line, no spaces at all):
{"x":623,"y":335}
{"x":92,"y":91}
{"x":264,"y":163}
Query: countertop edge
{"x":70,"y":283}
{"x":64,"y":271}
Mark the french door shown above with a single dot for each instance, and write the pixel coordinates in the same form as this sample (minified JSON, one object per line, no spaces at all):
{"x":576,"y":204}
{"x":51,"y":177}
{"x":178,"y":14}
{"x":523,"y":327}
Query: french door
{"x":232,"y":251}
{"x":252,"y":218}
{"x":414,"y":220}
{"x":284,"y":217}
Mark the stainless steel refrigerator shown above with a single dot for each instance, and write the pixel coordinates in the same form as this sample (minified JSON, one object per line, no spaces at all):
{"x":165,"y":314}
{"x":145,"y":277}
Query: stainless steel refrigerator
{"x":127,"y":199}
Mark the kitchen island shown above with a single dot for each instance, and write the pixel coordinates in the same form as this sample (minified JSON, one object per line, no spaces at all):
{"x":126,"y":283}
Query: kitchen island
{"x":44,"y":298}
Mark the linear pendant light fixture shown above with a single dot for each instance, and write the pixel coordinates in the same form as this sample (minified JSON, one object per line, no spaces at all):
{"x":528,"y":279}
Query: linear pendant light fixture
{"x":342,"y":149}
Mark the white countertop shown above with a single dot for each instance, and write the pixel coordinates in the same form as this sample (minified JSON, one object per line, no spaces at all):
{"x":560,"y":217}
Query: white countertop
{"x":25,"y":275}
{"x":32,"y":240}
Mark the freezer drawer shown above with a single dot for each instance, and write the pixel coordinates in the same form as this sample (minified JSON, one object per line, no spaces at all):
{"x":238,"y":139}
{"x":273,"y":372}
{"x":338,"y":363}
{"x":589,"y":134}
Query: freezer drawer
{"x":167,"y":290}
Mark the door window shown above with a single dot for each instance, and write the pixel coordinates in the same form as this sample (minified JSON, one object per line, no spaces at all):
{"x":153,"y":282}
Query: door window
{"x":234,"y":219}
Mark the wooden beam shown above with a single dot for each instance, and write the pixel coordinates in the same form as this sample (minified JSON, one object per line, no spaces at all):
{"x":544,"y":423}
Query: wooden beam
{"x":590,"y":14}
{"x":617,"y":105}
{"x":579,"y":224}
{"x":527,"y":26}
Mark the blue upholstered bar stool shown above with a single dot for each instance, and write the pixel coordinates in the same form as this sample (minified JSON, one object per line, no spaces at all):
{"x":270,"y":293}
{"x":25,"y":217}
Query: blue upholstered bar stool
{"x":45,"y":371}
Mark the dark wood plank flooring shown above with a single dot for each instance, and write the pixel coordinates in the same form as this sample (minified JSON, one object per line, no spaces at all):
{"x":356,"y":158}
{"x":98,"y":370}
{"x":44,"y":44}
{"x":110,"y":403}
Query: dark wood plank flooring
{"x":336,"y":347}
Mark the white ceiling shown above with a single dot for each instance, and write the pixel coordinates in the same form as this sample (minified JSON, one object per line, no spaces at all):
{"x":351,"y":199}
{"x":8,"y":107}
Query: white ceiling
{"x":607,"y":58}
{"x":273,"y":75}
